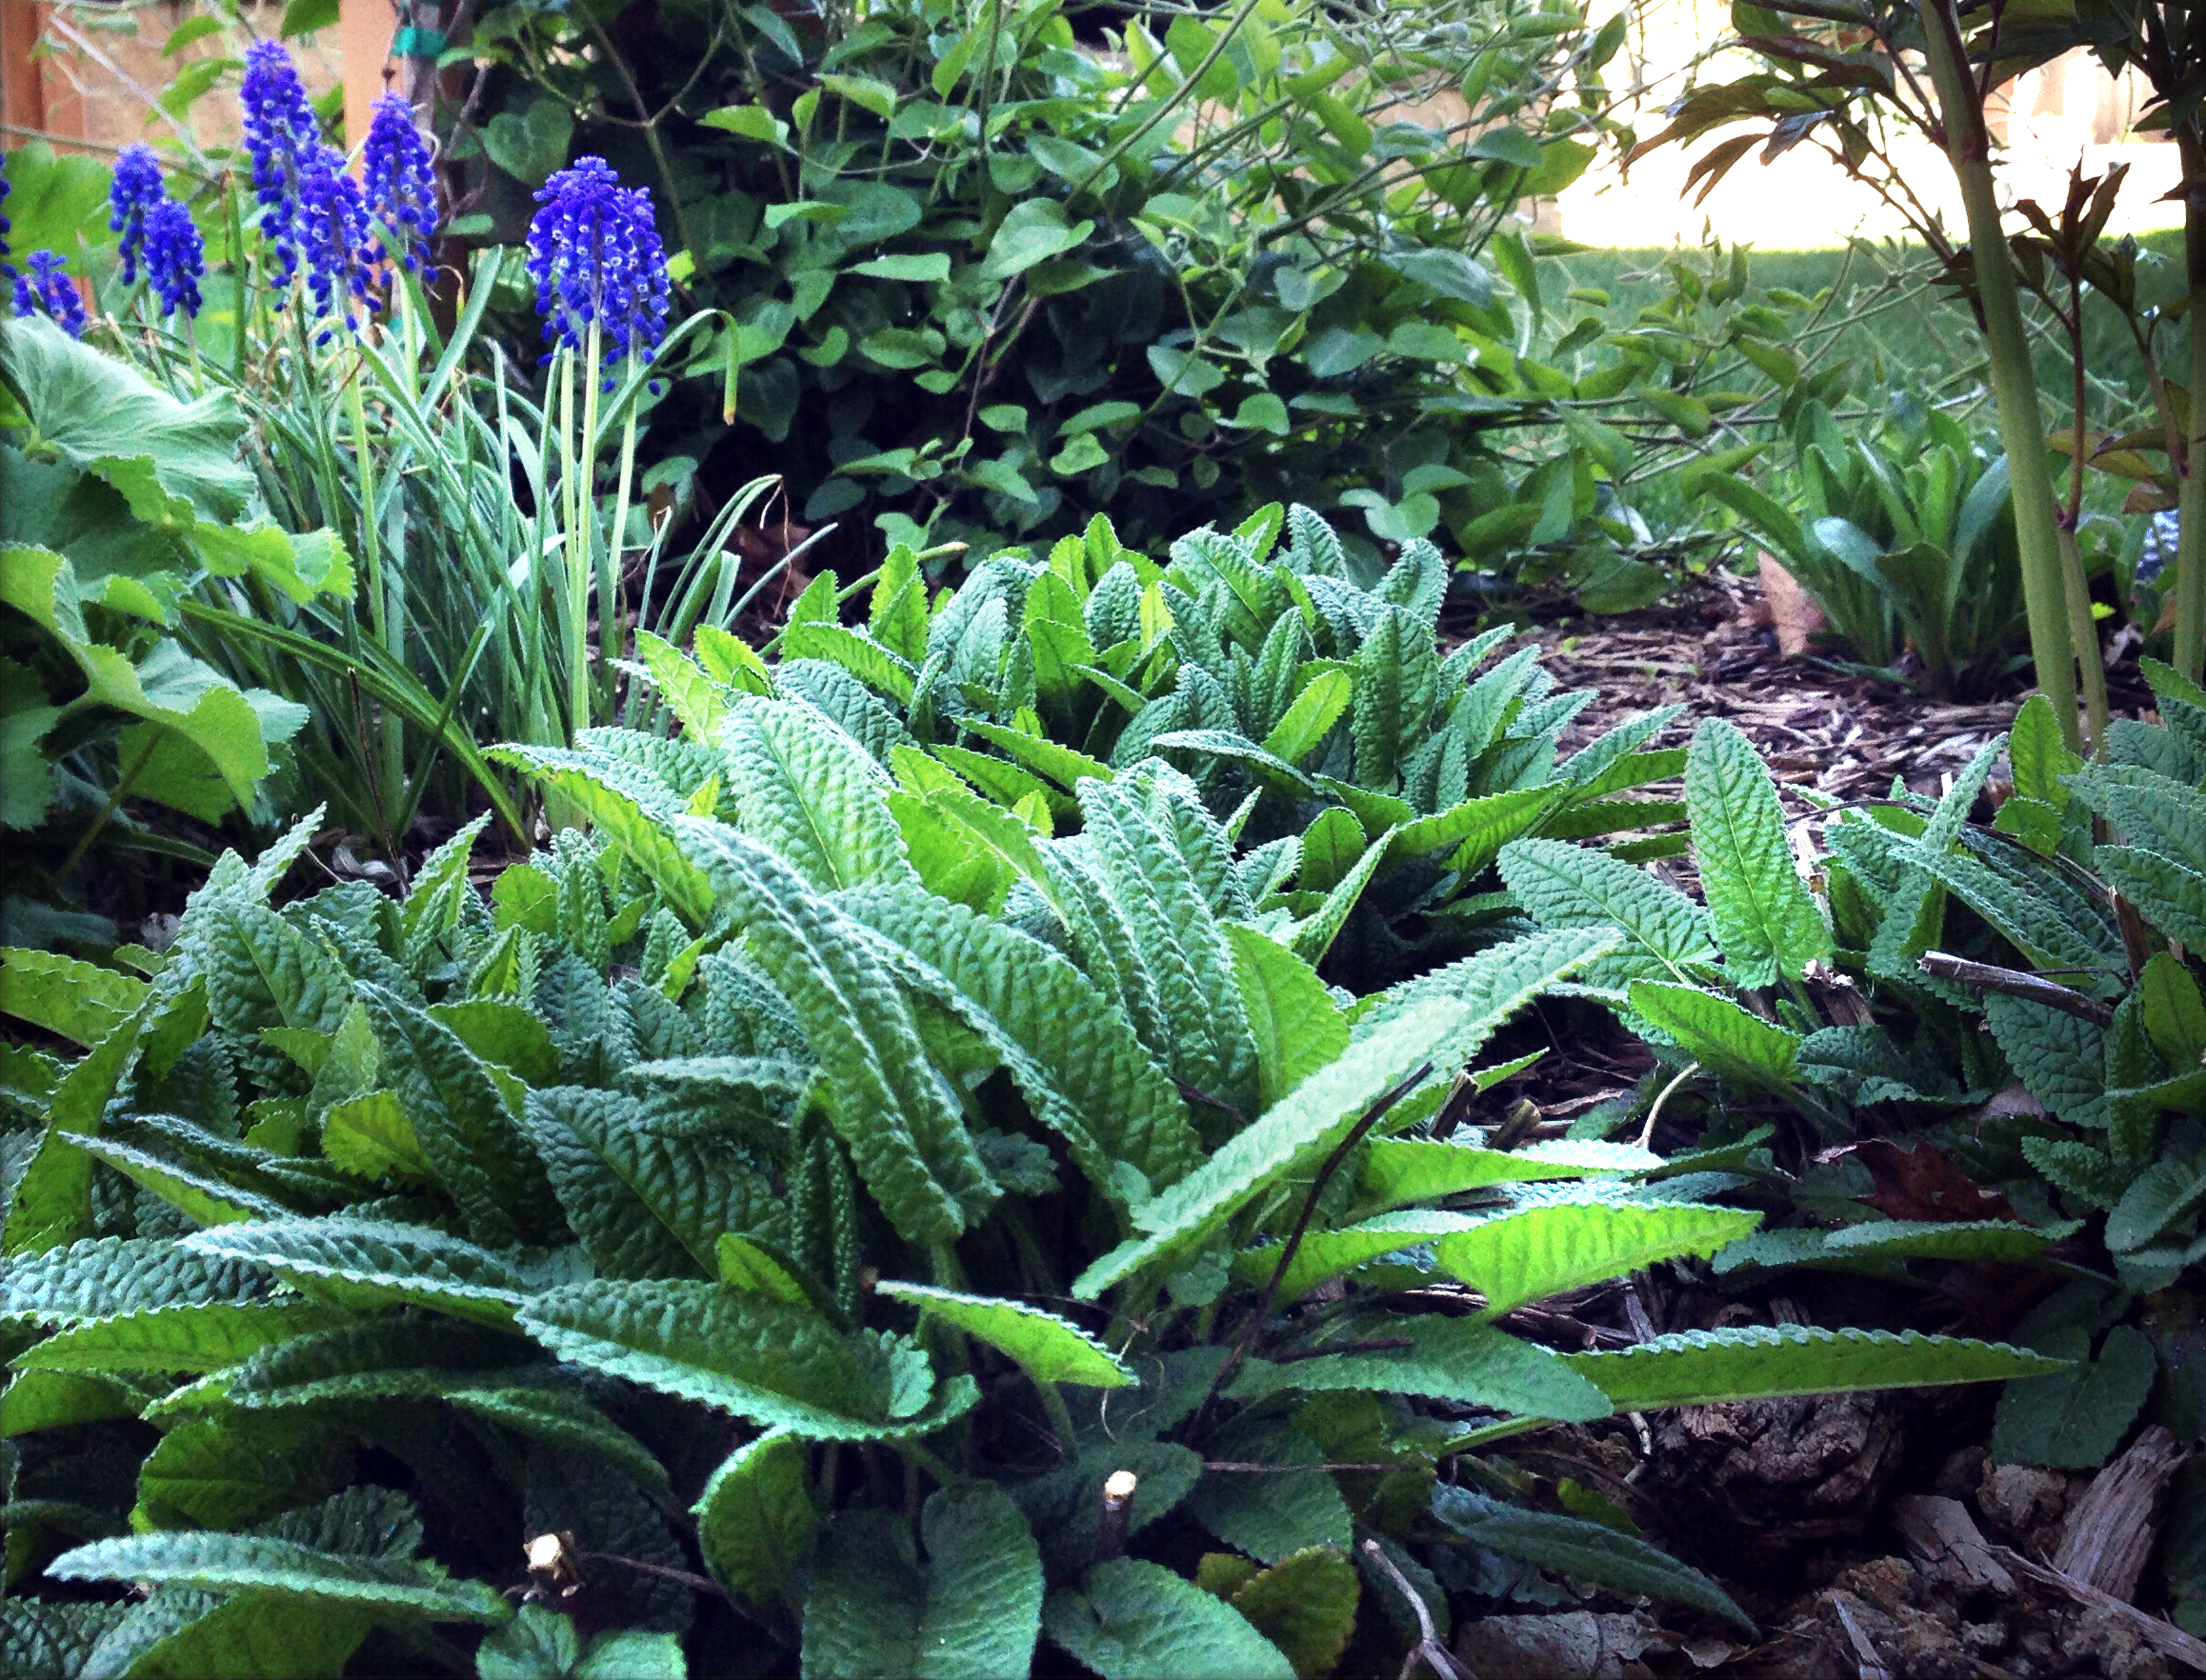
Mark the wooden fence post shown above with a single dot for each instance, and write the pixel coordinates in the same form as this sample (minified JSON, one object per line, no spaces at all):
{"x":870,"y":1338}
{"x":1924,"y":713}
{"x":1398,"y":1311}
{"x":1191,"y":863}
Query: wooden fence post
{"x":364,"y":32}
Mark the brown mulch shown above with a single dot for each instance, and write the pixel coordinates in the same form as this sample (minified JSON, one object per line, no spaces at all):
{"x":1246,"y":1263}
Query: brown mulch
{"x":1710,"y":646}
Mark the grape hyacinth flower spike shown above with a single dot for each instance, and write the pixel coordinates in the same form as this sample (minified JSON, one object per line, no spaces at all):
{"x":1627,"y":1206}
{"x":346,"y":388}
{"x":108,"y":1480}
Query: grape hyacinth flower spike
{"x":284,"y":140}
{"x":595,"y":256}
{"x":174,"y":257}
{"x":401,"y":190}
{"x":6,"y":227}
{"x":131,"y":200}
{"x":333,"y":237}
{"x":47,"y":289}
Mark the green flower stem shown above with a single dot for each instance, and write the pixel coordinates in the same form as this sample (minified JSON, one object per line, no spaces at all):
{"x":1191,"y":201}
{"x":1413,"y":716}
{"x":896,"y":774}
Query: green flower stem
{"x":385,"y":615}
{"x":2189,"y":652}
{"x":611,"y":620}
{"x":2014,"y":382}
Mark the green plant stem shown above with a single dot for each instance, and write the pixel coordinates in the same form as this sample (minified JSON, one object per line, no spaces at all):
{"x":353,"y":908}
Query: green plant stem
{"x":2189,"y":650}
{"x":388,"y":628}
{"x":611,"y":628}
{"x":1060,"y":1415}
{"x":2083,"y":630}
{"x":2014,"y":382}
{"x":108,"y":811}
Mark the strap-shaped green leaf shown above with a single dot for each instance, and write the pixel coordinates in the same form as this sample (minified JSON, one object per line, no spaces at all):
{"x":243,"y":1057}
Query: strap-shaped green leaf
{"x":1441,"y":1358}
{"x":756,"y":1523}
{"x":1069,"y":1047}
{"x":52,"y":1200}
{"x":1326,"y":1254}
{"x":904,"y":1126}
{"x":2154,"y":812}
{"x":780,"y":1366}
{"x":1043,"y":1345}
{"x":1761,"y":1362}
{"x":695,"y":697}
{"x":1133,"y":1621}
{"x":974,"y":1609}
{"x":223,"y":1472}
{"x":262,"y":1563}
{"x":2171,"y":895}
{"x":812,"y":795}
{"x":1760,"y":910}
{"x":367,"y":1261}
{"x":1529,"y":1254}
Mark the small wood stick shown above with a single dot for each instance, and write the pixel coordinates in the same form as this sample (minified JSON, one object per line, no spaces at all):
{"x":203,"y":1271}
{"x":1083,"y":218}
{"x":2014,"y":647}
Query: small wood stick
{"x":2015,"y":983}
{"x":1117,"y":1509}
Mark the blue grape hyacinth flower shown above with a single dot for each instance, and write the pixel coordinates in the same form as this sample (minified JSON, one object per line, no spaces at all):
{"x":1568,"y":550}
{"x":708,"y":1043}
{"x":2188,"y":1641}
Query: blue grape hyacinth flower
{"x":45,"y":288}
{"x":400,"y":189}
{"x":175,"y":258}
{"x":6,"y":227}
{"x":130,"y":199}
{"x":331,"y":229}
{"x":283,"y":142}
{"x":596,"y":255}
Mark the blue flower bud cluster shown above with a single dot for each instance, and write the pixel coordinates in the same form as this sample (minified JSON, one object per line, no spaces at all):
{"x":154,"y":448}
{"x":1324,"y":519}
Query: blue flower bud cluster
{"x":331,"y":221}
{"x":282,"y":139}
{"x":7,"y":268}
{"x":132,"y":197}
{"x":401,"y":190}
{"x":156,"y":231}
{"x":47,"y":289}
{"x":596,"y":255}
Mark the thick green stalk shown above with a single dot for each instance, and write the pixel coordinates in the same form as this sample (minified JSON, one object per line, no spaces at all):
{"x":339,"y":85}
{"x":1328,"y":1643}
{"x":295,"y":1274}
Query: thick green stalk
{"x":2014,"y":382}
{"x":2191,"y":546}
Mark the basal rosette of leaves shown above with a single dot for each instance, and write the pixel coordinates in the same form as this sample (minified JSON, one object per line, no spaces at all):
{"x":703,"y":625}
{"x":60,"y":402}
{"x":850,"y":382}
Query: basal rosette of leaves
{"x":117,"y":502}
{"x":990,"y":276}
{"x":787,"y":1245}
{"x":1370,"y":779}
{"x":2017,"y":1002}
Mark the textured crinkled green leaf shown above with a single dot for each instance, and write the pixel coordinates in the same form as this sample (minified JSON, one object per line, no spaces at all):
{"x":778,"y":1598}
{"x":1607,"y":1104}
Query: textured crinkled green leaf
{"x":2154,"y":812}
{"x":781,"y":1366}
{"x":1304,"y":1604}
{"x":1473,"y":832}
{"x":1589,"y":1551}
{"x":202,"y":1196}
{"x":1399,"y":1170}
{"x":1759,"y":909}
{"x":1761,"y":1362}
{"x":904,"y":1129}
{"x":542,"y":1644}
{"x":214,"y":1473}
{"x":1296,"y":1026}
{"x":53,"y":1637}
{"x":1272,"y":1513}
{"x":812,"y":795}
{"x":381,"y":1357}
{"x":2075,"y":1418}
{"x":564,"y":1418}
{"x":1718,"y":1034}
{"x":1531,"y":1252}
{"x":371,"y":1261}
{"x":646,"y":1202}
{"x":1310,"y":1119}
{"x":696,"y":698}
{"x":1489,"y":986}
{"x":263,"y":1563}
{"x":756,"y":1523}
{"x":1132,"y":1620}
{"x":109,"y":1277}
{"x":628,"y":812}
{"x":2171,"y":895}
{"x":81,"y":1001}
{"x":1875,"y":1244}
{"x":1070,"y":1048}
{"x":1045,"y":1346}
{"x":2060,"y":1058}
{"x":1396,"y":682}
{"x":187,"y":1634}
{"x":1153,"y":884}
{"x":1326,"y":1254}
{"x":198,"y":1339}
{"x":1314,"y":936}
{"x":52,"y":1200}
{"x":974,"y":1609}
{"x":462,"y":1123}
{"x":1457,"y":1359}
{"x":1562,"y":886}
